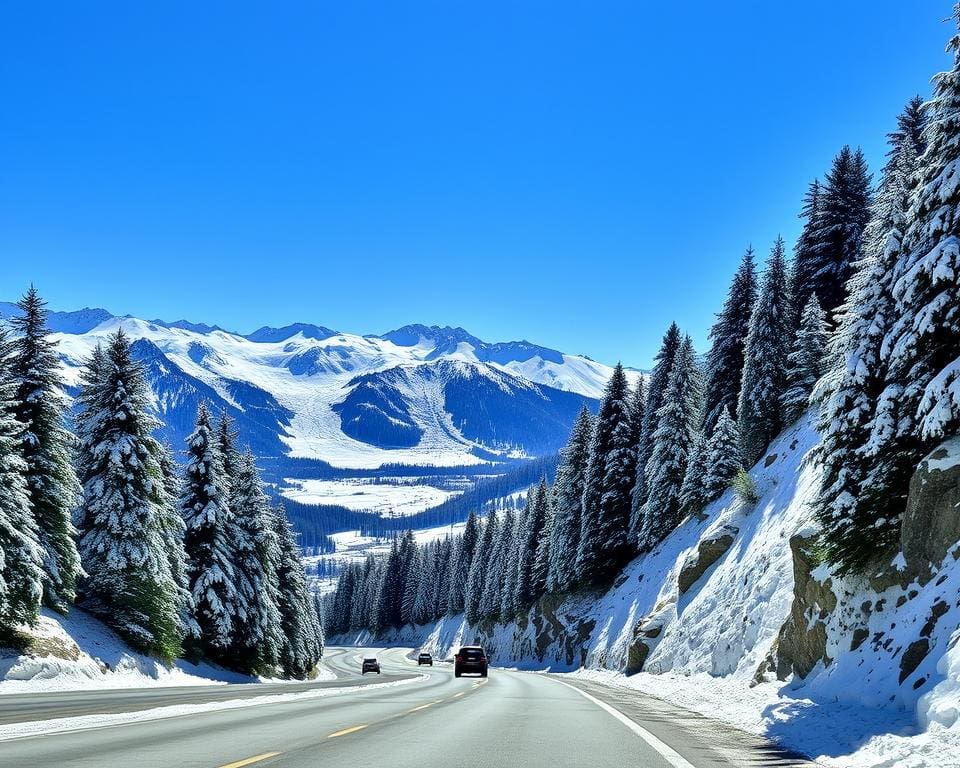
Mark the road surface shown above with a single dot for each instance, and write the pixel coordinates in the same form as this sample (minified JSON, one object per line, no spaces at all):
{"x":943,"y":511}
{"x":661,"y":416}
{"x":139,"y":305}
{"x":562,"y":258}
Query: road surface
{"x":510,"y":719}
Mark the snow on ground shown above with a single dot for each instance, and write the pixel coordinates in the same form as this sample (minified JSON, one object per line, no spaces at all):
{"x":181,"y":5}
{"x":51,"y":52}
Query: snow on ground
{"x":88,"y":722}
{"x":77,"y":652}
{"x":384,"y":496}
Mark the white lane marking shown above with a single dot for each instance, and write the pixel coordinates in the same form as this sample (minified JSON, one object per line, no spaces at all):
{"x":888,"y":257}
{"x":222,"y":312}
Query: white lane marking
{"x":667,"y":752}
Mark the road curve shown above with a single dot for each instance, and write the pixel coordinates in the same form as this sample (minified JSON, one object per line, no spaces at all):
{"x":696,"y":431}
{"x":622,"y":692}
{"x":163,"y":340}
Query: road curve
{"x":508,"y":719}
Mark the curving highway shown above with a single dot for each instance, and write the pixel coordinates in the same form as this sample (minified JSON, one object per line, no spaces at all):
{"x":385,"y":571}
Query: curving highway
{"x":404,"y":717}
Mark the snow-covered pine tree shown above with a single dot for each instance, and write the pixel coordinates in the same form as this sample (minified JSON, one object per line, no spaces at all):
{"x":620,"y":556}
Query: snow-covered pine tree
{"x":540,"y":566}
{"x":299,"y":622}
{"x":508,"y":597}
{"x":530,"y":531}
{"x":128,"y":579}
{"x":842,"y":212}
{"x":759,"y":412}
{"x":805,"y":364}
{"x":461,"y":565}
{"x":21,"y":556}
{"x":480,"y":567}
{"x":672,"y":443}
{"x":46,"y":447}
{"x":658,"y":383}
{"x":724,"y":364}
{"x":803,"y":263}
{"x":693,"y":491}
{"x":423,"y":600}
{"x":619,"y":478}
{"x":411,"y":585}
{"x":390,"y":591}
{"x":257,"y":637}
{"x":568,"y":506}
{"x":723,"y":456}
{"x":500,"y":561}
{"x":638,"y":405}
{"x":442,"y":584}
{"x":850,"y":393}
{"x":208,"y":543}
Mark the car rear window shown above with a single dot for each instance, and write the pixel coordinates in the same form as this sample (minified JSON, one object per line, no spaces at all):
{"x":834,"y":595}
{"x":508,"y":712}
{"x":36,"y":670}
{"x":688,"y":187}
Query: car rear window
{"x":471,"y":653}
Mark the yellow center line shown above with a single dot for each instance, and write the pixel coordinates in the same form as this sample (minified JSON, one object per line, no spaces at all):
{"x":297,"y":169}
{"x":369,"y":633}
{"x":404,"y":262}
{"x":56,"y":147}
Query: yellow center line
{"x":250,"y":760}
{"x":458,"y":695}
{"x":422,"y":706}
{"x":345,"y":731}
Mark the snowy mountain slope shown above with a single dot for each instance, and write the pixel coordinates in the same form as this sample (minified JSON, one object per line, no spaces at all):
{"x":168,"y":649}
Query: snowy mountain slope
{"x":419,"y":395}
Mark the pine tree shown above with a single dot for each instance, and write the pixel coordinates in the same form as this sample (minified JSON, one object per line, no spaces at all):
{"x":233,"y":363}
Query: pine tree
{"x":805,"y":364}
{"x":208,"y":544}
{"x":21,"y":556}
{"x":500,"y":561}
{"x":804,"y":259}
{"x":658,"y":383}
{"x":423,"y":600}
{"x":693,"y":491}
{"x":723,"y":457}
{"x":257,"y":637}
{"x":724,"y":365}
{"x":850,"y":394}
{"x":508,"y":597}
{"x":540,"y":566}
{"x":46,"y":447}
{"x":390,"y":593}
{"x":461,"y":566}
{"x":842,"y":213}
{"x":765,"y":358}
{"x":527,"y":587}
{"x":128,"y":578}
{"x":672,"y":443}
{"x":411,"y":585}
{"x":568,"y":507}
{"x":479,"y":568}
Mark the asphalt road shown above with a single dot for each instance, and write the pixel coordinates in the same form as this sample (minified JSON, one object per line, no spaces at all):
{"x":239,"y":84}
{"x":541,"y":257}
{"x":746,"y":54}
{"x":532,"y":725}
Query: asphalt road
{"x":508,"y":719}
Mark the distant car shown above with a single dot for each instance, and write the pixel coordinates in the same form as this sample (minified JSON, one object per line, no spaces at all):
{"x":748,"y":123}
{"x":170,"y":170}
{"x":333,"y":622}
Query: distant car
{"x":470,"y":658}
{"x":424,"y":658}
{"x":370,"y":665}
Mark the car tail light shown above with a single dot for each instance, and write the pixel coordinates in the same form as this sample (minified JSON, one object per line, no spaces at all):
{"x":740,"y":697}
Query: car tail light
{"x":457,"y":657}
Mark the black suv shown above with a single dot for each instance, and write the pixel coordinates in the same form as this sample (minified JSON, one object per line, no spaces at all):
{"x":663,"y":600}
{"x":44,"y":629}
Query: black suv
{"x":470,"y":658}
{"x":424,"y":658}
{"x":370,"y":665}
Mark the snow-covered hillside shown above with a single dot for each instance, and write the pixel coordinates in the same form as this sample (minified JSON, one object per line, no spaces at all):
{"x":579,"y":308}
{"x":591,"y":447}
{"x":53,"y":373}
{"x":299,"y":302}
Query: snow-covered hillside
{"x":411,"y":396}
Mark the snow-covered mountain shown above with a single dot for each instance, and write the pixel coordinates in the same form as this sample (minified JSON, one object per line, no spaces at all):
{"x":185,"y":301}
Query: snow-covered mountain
{"x":418,"y":395}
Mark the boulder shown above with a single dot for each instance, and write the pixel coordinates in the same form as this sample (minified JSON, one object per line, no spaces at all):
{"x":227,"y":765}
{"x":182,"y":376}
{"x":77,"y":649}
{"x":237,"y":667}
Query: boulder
{"x":931,"y":521}
{"x":708,"y":551}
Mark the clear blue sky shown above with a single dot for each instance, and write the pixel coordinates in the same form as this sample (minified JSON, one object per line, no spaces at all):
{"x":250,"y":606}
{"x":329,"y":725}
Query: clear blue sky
{"x":578,"y":174}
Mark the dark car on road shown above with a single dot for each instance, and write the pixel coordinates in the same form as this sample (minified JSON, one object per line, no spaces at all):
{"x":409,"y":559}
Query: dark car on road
{"x":470,"y":658}
{"x":424,"y":658}
{"x":370,"y":665}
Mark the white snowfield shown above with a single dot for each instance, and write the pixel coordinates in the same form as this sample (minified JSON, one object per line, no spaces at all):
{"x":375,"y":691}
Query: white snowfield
{"x":714,"y":638}
{"x":387,"y":499}
{"x":315,"y":430}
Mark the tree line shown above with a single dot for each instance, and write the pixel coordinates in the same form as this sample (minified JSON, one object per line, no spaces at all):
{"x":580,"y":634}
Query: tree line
{"x":862,"y":325}
{"x":194,"y":563}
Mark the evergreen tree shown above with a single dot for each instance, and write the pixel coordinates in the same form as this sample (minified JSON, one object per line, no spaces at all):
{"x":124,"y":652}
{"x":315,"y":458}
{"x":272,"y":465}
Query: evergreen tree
{"x":423,"y":600}
{"x":500,"y":561}
{"x":841,"y":215}
{"x":804,"y":261}
{"x":508,"y":597}
{"x":568,"y":507}
{"x":723,"y":457}
{"x":257,"y":637}
{"x":693,"y":491}
{"x":208,"y":544}
{"x":46,"y":447}
{"x":128,"y":578}
{"x":658,"y":384}
{"x":528,"y":587}
{"x":540,"y":565}
{"x":411,"y":585}
{"x":856,"y":517}
{"x":21,"y":556}
{"x":479,"y":568}
{"x":461,"y":566}
{"x":672,"y":444}
{"x":805,"y":364}
{"x":724,"y":365}
{"x":765,"y":359}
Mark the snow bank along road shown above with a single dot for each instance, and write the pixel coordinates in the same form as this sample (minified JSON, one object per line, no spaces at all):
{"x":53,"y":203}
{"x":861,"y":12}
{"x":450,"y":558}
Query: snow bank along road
{"x":399,"y":718}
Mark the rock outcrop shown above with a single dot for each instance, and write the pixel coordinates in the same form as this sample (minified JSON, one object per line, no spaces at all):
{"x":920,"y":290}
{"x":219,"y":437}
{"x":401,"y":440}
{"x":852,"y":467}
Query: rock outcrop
{"x":708,"y":551}
{"x":931,"y":521}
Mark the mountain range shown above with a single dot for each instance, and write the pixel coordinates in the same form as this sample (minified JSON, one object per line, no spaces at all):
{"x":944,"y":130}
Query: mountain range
{"x":420,"y":395}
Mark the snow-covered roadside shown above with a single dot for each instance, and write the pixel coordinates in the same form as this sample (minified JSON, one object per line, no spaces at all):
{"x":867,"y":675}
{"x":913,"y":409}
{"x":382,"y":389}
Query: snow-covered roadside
{"x":88,"y":722}
{"x":77,"y":652}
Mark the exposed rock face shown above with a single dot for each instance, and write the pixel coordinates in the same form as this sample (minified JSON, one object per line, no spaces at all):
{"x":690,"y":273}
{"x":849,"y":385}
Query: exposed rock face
{"x":802,"y":642}
{"x":708,"y":552}
{"x":931,"y":521}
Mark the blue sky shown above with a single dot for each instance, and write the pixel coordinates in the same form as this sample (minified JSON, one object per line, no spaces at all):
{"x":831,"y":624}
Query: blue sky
{"x":577,"y":174}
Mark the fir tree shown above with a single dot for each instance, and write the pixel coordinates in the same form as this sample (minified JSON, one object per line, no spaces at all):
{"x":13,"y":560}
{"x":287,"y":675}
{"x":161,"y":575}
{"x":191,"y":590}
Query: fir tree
{"x":658,"y":383}
{"x":805,"y":364}
{"x":479,"y":568}
{"x":765,"y":358}
{"x":841,"y":215}
{"x":46,"y":447}
{"x":693,"y":491}
{"x":568,"y":507}
{"x":528,"y":587}
{"x":128,"y":578}
{"x":208,"y":543}
{"x":21,"y":556}
{"x":540,"y":566}
{"x":723,"y":457}
{"x":724,"y":365}
{"x":500,"y":561}
{"x":461,"y":566}
{"x":672,"y":444}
